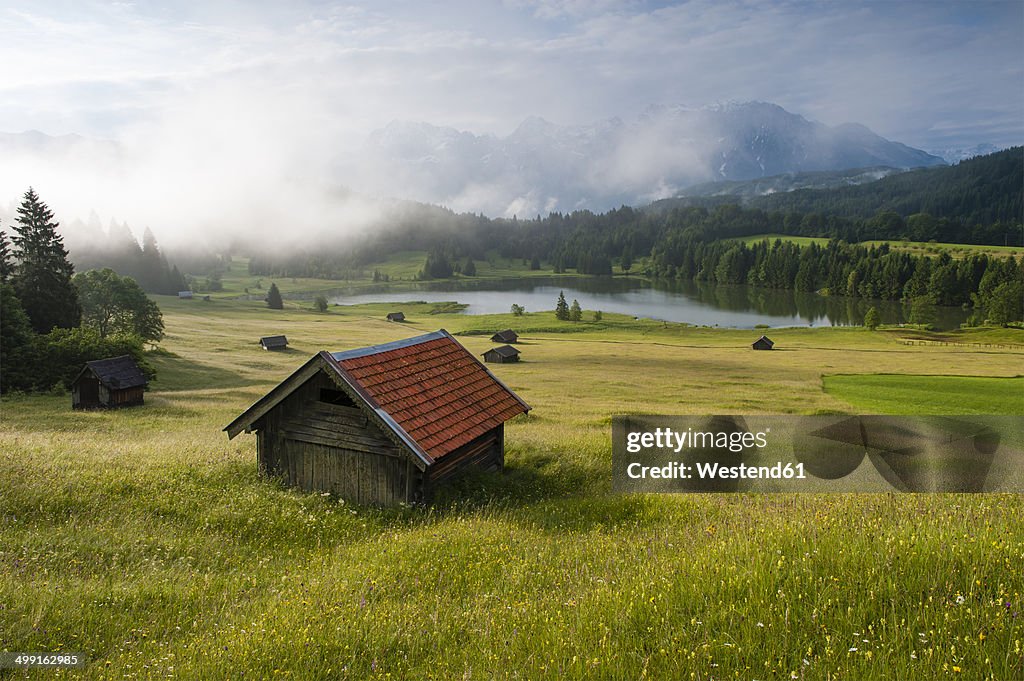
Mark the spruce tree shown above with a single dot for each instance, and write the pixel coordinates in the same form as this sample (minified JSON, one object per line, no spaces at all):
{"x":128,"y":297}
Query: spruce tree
{"x":562,"y":307}
{"x":274,"y":301}
{"x":871,"y":319}
{"x":469,"y":269}
{"x":153,"y":275}
{"x":16,"y":347}
{"x":6,"y":267}
{"x":575,"y":312}
{"x":626,"y":260}
{"x":42,"y":273}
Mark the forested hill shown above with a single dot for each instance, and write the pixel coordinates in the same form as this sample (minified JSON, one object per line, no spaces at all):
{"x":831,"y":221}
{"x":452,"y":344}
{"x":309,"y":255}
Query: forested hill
{"x":977,"y":201}
{"x":982,"y":190}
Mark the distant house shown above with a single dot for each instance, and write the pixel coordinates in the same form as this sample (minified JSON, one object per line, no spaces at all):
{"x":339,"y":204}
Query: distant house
{"x":396,"y":316}
{"x":506,"y":336}
{"x":763,"y":343}
{"x":382,"y":424}
{"x":108,"y":384}
{"x":185,"y":295}
{"x":501,"y":355}
{"x":274,"y":342}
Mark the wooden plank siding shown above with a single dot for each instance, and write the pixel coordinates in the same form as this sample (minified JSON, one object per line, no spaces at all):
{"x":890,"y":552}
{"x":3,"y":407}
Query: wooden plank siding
{"x":322,"y":447}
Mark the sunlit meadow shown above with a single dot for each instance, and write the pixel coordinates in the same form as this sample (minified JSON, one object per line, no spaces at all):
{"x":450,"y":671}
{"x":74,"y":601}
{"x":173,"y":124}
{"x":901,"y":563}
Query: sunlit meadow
{"x":147,"y":541}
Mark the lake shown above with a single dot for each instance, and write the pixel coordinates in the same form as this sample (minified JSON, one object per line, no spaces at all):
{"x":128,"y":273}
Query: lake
{"x":698,"y":303}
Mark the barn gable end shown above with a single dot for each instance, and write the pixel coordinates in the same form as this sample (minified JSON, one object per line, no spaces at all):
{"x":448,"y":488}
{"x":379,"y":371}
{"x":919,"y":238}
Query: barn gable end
{"x":320,"y":441}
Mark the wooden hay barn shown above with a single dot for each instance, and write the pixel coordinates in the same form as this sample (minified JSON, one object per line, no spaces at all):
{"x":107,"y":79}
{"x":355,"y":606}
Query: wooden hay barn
{"x":502,"y":355}
{"x":108,"y":384}
{"x":396,"y":316}
{"x":763,"y":343}
{"x":274,"y":342}
{"x":383,"y":424}
{"x":506,"y":336}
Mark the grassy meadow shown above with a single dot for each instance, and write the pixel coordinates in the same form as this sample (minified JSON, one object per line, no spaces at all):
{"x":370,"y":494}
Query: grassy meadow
{"x":147,"y":541}
{"x":402,"y":269}
{"x":930,"y":248}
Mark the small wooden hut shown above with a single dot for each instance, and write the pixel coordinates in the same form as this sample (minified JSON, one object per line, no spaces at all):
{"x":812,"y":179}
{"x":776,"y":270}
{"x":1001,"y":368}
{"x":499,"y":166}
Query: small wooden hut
{"x":763,"y":343}
{"x":383,"y":424}
{"x":506,"y":336}
{"x":274,"y":342}
{"x":396,"y":316}
{"x":108,"y":384}
{"x":501,"y":355}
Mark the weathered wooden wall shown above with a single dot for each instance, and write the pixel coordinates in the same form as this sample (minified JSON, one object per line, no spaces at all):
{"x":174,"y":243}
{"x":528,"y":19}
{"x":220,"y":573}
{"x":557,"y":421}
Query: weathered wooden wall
{"x":324,"y":447}
{"x":122,"y":398}
{"x":105,"y":398}
{"x":494,"y":358}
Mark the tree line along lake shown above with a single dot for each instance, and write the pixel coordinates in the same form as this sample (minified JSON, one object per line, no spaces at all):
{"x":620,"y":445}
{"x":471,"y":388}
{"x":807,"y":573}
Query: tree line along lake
{"x":697,"y":303}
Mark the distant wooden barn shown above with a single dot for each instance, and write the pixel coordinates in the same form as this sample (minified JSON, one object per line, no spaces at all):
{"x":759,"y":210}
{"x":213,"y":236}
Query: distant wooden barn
{"x":185,"y":295}
{"x":506,"y":336}
{"x":108,"y":384}
{"x":763,"y":343}
{"x":274,"y":342}
{"x":502,"y":355}
{"x":383,"y":424}
{"x":396,"y":316}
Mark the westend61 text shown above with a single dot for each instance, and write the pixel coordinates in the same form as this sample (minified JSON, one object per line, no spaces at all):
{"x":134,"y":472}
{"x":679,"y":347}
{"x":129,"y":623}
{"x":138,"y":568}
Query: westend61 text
{"x":714,"y":471}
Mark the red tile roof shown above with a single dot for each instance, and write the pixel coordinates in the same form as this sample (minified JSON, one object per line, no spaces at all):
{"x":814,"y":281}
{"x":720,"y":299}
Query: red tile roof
{"x":434,"y":389}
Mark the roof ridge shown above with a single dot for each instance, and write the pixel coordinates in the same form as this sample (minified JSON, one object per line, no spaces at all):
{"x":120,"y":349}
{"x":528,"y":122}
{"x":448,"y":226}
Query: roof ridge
{"x":387,"y":347}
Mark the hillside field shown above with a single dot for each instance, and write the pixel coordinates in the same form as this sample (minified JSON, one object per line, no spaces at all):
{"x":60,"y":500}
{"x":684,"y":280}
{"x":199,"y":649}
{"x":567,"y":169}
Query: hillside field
{"x":147,"y":541}
{"x":918,"y":248}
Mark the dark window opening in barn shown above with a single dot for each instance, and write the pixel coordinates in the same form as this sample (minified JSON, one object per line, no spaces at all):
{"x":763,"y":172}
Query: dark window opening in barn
{"x":332,"y":396}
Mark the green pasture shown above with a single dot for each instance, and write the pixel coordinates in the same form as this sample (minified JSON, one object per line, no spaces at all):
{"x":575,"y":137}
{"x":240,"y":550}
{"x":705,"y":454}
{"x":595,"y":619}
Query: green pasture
{"x":401,"y":268}
{"x":930,"y":248}
{"x":147,"y":541}
{"x":937,"y":395}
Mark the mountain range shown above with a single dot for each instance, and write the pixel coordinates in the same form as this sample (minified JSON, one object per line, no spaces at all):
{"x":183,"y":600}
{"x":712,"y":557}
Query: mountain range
{"x":542,"y":167}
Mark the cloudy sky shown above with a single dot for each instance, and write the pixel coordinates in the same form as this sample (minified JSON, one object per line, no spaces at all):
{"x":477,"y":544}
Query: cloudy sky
{"x":930,"y":74}
{"x":223,"y":110}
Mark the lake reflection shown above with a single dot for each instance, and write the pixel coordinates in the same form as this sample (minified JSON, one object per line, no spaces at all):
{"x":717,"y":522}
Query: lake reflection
{"x":697,"y":303}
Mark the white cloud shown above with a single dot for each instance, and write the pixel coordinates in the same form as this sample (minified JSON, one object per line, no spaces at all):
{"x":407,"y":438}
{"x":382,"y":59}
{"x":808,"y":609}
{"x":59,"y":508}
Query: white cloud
{"x":253,"y":97}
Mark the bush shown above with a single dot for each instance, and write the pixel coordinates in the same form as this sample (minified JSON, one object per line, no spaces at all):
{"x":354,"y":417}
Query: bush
{"x":60,"y":355}
{"x":320,"y":303}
